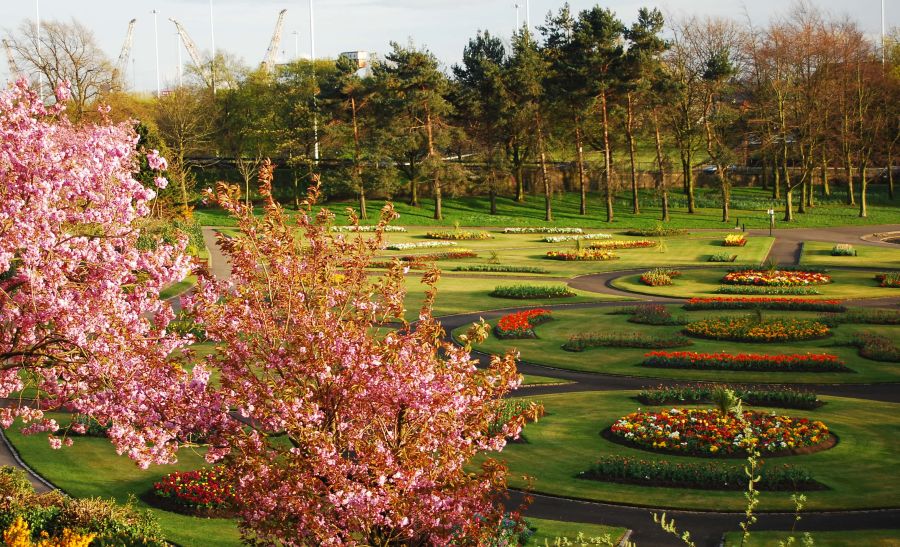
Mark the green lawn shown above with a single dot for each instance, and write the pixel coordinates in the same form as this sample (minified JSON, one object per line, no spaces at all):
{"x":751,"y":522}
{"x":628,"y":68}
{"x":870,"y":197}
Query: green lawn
{"x":550,"y":530}
{"x":567,"y":439}
{"x":818,"y":253}
{"x":703,"y":283}
{"x":179,"y":288}
{"x":534,"y":380}
{"x":546,"y":350}
{"x":748,"y":204}
{"x":91,"y":468}
{"x":856,"y":538}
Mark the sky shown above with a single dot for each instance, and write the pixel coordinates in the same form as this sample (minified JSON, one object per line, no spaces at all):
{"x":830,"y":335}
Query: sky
{"x":245,"y":27}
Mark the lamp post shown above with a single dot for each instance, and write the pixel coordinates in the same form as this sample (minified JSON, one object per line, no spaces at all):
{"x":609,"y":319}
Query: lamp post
{"x":771,"y":213}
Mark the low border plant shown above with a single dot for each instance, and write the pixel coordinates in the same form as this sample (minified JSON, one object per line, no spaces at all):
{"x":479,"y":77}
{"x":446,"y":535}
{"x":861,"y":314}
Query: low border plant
{"x":583,"y":341}
{"x":526,"y":292}
{"x":797,"y":362}
{"x":781,"y":397}
{"x":783,"y":304}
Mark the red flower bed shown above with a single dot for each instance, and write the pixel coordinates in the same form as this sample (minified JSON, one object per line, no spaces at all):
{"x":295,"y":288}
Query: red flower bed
{"x":521,"y":324}
{"x":779,"y":278}
{"x":790,"y":304}
{"x":797,"y":362}
{"x":888,"y":280}
{"x":203,"y":489}
{"x":705,"y":432}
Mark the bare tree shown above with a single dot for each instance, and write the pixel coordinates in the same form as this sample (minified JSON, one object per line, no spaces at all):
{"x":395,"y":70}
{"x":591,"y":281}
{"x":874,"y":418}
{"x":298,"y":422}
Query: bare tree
{"x":64,"y":52}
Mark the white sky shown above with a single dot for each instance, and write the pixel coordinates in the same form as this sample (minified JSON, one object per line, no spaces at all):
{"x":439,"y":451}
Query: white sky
{"x":244,"y":27}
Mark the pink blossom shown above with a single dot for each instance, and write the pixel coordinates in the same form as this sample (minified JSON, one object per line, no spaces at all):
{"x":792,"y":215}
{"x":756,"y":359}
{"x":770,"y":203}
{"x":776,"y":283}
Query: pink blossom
{"x":157,"y":162}
{"x":161,"y":182}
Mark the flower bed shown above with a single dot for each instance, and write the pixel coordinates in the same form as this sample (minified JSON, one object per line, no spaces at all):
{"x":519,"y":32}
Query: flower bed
{"x":707,"y":432}
{"x":366,"y":228}
{"x":653,"y":314}
{"x":563,"y":239}
{"x":876,"y":347}
{"x":863,"y":316}
{"x":498,"y":268}
{"x":581,"y":342}
{"x":734,"y":240}
{"x":586,"y":254}
{"x":658,"y":231}
{"x":521,"y":324}
{"x":203,"y":492}
{"x":802,"y":362}
{"x":843,"y":249}
{"x":784,"y":397}
{"x":770,"y":290}
{"x":889,"y":280}
{"x":659,"y":276}
{"x":459,"y":235}
{"x":524,"y":292}
{"x":745,"y":329}
{"x":448,"y":255}
{"x":418,"y":245}
{"x":623,"y":244}
{"x":776,"y":277}
{"x":787,"y":304}
{"x":543,"y":231}
{"x":700,"y":475}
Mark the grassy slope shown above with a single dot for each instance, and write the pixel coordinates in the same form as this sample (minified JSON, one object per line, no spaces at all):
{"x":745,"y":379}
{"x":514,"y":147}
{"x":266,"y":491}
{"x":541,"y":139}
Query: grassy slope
{"x":818,"y":253}
{"x":624,"y":361}
{"x":856,"y":538}
{"x":748,"y":204}
{"x":565,"y":441}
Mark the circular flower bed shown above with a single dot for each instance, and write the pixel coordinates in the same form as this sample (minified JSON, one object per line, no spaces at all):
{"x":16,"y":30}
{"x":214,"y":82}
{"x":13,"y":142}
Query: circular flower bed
{"x":779,"y":278}
{"x":706,"y":432}
{"x":204,"y":492}
{"x":746,"y":329}
{"x":521,"y":324}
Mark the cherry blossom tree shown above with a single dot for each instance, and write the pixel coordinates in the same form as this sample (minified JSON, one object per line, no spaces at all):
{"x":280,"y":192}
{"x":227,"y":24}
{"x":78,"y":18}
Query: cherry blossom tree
{"x":81,"y":322}
{"x":358,"y":427}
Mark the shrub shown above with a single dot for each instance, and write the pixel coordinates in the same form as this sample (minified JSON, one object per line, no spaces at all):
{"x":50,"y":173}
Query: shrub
{"x":539,"y":230}
{"x":890,"y":279}
{"x":746,"y":329}
{"x":509,"y":409}
{"x":722,"y":257}
{"x":700,"y":475}
{"x":587,"y":254}
{"x":623,"y":244}
{"x":525,"y":292}
{"x":54,"y":512}
{"x":863,"y":316}
{"x":653,"y":314}
{"x":563,"y":239}
{"x":366,"y":228}
{"x":876,"y":347}
{"x":783,"y":277}
{"x":418,"y":245}
{"x":200,"y":490}
{"x":843,"y":249}
{"x":658,"y":231}
{"x":87,"y":426}
{"x":659,"y":276}
{"x":581,"y":342}
{"x":786,"y":304}
{"x":459,"y":235}
{"x":735,"y":240}
{"x":752,"y":289}
{"x":806,"y":362}
{"x":521,"y":324}
{"x":168,"y":232}
{"x":498,"y":268}
{"x":784,"y":397}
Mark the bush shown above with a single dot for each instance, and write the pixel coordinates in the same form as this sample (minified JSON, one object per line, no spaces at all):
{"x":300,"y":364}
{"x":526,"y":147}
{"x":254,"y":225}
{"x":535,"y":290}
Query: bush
{"x":734,"y":240}
{"x":89,"y":427}
{"x":459,"y":235}
{"x":581,"y":342}
{"x":891,"y":279}
{"x":785,"y":304}
{"x":653,"y":314}
{"x":658,"y":231}
{"x":785,"y":397}
{"x":876,"y":347}
{"x":722,"y":257}
{"x":805,"y":362}
{"x":659,"y":277}
{"x":587,"y":254}
{"x":703,"y":476}
{"x":54,"y":512}
{"x":746,"y":329}
{"x":843,"y":249}
{"x":524,"y":292}
{"x":751,"y":289}
{"x":498,"y":268}
{"x":169,"y":231}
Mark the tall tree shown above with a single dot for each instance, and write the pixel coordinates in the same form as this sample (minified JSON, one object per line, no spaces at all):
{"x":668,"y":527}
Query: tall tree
{"x":599,"y":38}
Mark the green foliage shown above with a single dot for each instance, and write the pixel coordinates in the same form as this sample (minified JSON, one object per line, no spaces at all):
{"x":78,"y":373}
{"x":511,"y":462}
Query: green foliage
{"x":169,"y":231}
{"x":581,"y":342}
{"x":525,"y":292}
{"x":722,"y":257}
{"x":499,"y":268}
{"x":785,"y":397}
{"x":843,"y":249}
{"x":863,"y":316}
{"x":654,"y":314}
{"x":772,"y":290}
{"x":876,"y":347}
{"x":658,"y":231}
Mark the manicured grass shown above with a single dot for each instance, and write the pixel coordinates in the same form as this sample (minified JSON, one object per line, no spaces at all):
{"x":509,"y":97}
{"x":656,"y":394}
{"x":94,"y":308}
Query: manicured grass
{"x":846,"y":284}
{"x":818,"y":253}
{"x":748,"y":204}
{"x":567,"y":439}
{"x":177,"y":289}
{"x":91,"y":468}
{"x":546,"y":349}
{"x":551,"y":530}
{"x":535,"y":380}
{"x":855,"y":538}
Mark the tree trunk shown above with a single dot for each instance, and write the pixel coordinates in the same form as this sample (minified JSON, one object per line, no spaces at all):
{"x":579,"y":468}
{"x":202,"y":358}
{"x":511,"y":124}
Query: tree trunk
{"x":826,"y":189}
{"x":629,"y":132}
{"x":357,"y":163}
{"x":764,"y":177}
{"x":776,"y":180}
{"x":802,"y":208}
{"x":607,"y":159}
{"x":788,"y":206}
{"x":726,"y":197}
{"x":413,"y":185}
{"x":863,"y":186}
{"x":548,"y":211}
{"x":520,"y":176}
{"x":582,"y":182}
{"x":688,"y":175}
{"x":848,"y":169}
{"x":296,"y":190}
{"x":890,"y":172}
{"x":661,"y":175}
{"x":437,"y":175}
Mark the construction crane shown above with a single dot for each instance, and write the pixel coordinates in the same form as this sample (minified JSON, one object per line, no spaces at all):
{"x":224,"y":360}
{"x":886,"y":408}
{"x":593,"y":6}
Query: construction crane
{"x":190,"y":46}
{"x":14,"y":72}
{"x":122,"y":62}
{"x":268,"y":63}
